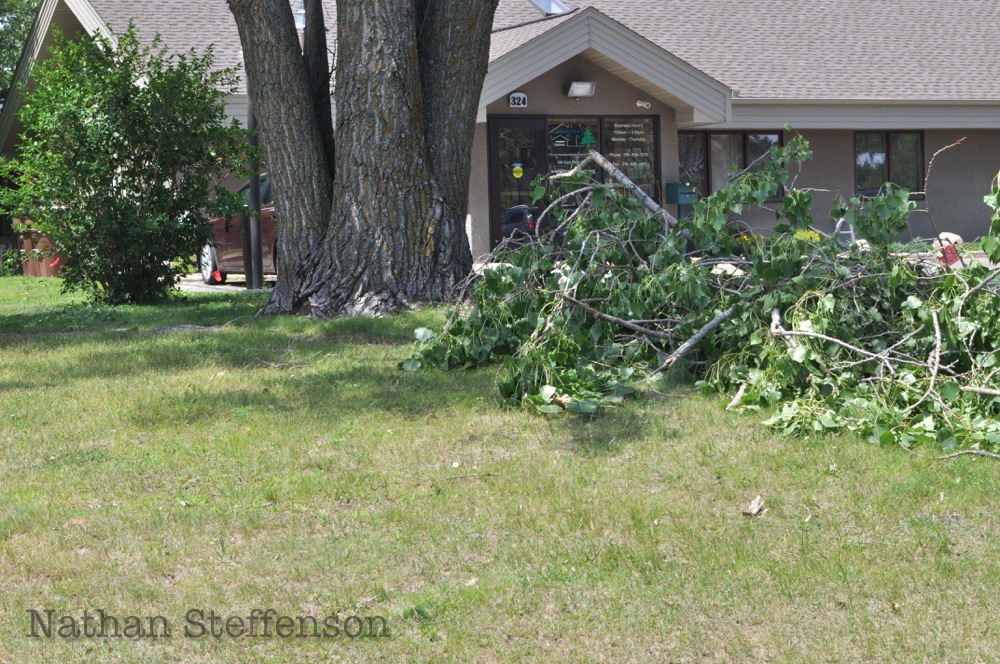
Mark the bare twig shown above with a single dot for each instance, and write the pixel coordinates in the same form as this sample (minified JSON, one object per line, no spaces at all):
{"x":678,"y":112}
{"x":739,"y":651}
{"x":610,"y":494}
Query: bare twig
{"x":933,"y":363}
{"x":981,"y":453}
{"x":930,"y":164}
{"x":978,"y":287}
{"x":561,"y":228}
{"x":467,"y":476}
{"x":690,"y":344}
{"x":558,"y":201}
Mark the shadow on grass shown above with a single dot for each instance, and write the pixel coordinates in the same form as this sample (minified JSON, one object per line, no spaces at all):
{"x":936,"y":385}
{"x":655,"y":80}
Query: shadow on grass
{"x":605,"y":432}
{"x":74,"y":317}
{"x":74,"y":342}
{"x":321,"y":396}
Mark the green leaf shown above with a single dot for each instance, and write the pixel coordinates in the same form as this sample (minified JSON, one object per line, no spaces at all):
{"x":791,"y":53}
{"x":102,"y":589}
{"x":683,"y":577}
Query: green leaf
{"x":949,"y":390}
{"x":411,"y":364}
{"x":887,"y":438}
{"x":547,"y":392}
{"x":991,"y":245}
{"x":423,"y":334}
{"x":582,"y":406}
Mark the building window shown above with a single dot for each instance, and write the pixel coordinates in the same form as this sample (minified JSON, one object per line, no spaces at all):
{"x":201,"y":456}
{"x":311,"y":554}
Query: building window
{"x":628,"y":142}
{"x":883,"y":157}
{"x":550,"y":7}
{"x":711,"y":159}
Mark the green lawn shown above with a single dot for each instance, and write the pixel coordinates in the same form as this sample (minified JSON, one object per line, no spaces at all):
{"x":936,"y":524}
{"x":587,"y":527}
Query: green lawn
{"x":288,"y":465}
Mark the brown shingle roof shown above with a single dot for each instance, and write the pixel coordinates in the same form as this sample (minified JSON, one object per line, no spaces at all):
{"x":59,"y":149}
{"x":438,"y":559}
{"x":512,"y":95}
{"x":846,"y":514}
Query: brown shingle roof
{"x":798,"y":49}
{"x":185,"y":25}
{"x":823,"y":49}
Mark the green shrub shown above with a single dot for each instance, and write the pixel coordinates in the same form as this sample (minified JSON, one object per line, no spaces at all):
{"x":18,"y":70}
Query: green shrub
{"x":124,"y":151}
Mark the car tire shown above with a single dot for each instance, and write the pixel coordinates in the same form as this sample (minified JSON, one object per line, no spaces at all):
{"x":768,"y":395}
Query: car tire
{"x":209,"y":267}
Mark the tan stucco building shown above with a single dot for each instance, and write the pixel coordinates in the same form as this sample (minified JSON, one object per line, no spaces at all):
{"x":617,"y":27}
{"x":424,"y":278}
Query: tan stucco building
{"x":686,"y":92}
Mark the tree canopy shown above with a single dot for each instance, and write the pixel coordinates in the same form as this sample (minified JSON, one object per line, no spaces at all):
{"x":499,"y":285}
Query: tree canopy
{"x":15,"y":22}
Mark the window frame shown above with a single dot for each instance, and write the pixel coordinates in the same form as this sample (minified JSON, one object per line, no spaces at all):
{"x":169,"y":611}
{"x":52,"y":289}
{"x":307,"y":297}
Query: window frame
{"x":603,"y":145}
{"x":706,"y":144}
{"x":887,"y":170}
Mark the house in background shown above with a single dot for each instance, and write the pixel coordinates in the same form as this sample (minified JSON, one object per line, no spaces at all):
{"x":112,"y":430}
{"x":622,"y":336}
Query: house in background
{"x":688,"y":92}
{"x":673,"y":91}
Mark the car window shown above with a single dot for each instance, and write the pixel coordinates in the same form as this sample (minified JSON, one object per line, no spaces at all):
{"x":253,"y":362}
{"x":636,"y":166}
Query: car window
{"x":266,"y":197}
{"x":265,"y":193}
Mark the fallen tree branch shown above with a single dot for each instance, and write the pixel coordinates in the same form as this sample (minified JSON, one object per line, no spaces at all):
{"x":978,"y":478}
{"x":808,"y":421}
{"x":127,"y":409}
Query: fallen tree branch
{"x":558,"y":201}
{"x":981,"y":453}
{"x":778,"y":331}
{"x":690,"y":344}
{"x":668,"y":219}
{"x":618,"y":321}
{"x":573,"y":171}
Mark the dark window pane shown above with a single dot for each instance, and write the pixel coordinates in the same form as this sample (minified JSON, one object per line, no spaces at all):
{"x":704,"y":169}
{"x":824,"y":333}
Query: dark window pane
{"x":518,"y":164}
{"x":726,"y":158}
{"x":693,"y":161}
{"x":266,"y":194}
{"x":759,"y":148}
{"x":869,"y":163}
{"x":904,"y":161}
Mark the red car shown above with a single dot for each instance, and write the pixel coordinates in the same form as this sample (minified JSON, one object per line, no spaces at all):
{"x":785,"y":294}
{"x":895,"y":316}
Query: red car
{"x":225,"y":254}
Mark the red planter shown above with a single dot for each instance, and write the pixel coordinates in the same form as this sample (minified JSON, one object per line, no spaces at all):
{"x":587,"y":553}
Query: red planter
{"x":44,"y":265}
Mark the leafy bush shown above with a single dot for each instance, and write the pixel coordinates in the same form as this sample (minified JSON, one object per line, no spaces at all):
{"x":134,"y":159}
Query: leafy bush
{"x":10,"y":263}
{"x":124,"y":151}
{"x":837,"y":338}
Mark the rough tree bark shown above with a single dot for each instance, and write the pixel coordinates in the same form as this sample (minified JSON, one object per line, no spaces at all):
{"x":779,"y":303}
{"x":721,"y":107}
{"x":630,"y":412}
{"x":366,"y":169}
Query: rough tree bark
{"x":378,"y":222}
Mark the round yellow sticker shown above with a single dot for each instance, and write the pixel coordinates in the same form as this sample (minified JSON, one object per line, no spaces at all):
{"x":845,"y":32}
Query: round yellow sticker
{"x":518,"y":172}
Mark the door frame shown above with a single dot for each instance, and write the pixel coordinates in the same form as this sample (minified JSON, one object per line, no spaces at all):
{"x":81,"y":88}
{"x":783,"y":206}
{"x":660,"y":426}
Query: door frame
{"x":540,"y":123}
{"x":494,"y":123}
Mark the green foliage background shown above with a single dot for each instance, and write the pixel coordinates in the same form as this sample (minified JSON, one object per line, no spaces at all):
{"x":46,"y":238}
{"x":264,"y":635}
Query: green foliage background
{"x":15,"y":22}
{"x":124,"y":151}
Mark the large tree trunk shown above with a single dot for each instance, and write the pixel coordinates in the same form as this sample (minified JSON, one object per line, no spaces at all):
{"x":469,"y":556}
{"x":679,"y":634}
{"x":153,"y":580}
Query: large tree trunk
{"x":389,"y":229}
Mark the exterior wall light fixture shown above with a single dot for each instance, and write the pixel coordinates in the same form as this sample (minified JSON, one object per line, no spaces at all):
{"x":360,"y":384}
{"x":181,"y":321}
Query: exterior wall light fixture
{"x":577,"y":89}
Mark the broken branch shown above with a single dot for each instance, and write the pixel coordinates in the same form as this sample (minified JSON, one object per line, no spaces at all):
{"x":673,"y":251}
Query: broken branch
{"x":690,"y":344}
{"x":618,"y":321}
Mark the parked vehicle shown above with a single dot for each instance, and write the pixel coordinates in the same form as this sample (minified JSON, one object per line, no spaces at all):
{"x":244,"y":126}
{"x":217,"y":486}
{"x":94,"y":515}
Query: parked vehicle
{"x":225,"y":254}
{"x":519,"y":226}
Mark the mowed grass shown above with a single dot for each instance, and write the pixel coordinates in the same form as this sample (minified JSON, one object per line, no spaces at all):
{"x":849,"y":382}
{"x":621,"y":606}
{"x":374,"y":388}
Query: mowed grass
{"x":287,"y":464}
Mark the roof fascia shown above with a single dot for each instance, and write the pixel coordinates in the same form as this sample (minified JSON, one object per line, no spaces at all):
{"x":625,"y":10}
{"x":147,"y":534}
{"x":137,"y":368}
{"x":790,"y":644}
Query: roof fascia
{"x":858,"y":114}
{"x":591,"y":29}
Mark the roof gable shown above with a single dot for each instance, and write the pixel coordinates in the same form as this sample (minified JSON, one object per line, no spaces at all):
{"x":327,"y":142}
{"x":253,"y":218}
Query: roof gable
{"x":522,"y":53}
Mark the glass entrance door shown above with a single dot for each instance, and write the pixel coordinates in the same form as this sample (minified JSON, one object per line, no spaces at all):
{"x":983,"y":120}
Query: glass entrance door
{"x":517,"y":156}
